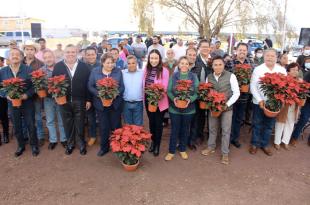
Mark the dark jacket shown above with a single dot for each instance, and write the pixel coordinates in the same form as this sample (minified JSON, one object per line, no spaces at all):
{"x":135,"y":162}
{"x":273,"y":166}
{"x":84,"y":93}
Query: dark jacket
{"x":77,"y":89}
{"x":96,"y":75}
{"x":199,"y":65}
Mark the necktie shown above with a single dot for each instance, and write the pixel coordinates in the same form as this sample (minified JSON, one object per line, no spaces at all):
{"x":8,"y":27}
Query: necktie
{"x":202,"y":75}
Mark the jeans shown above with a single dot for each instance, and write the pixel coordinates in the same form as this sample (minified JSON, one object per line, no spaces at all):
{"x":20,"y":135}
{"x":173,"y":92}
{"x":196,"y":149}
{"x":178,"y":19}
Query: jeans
{"x":27,"y":111}
{"x":109,"y":120}
{"x":133,"y":113}
{"x":237,"y":119}
{"x":51,"y":111}
{"x":73,"y":116}
{"x":38,"y":118}
{"x":180,"y":125}
{"x":140,"y":63}
{"x":92,"y":125}
{"x":262,"y":127}
{"x":302,"y":121}
{"x":197,"y":125}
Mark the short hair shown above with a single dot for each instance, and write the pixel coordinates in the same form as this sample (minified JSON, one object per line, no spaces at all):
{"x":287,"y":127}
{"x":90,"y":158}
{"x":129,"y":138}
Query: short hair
{"x":114,"y":49}
{"x":225,"y":55}
{"x":70,"y":45}
{"x":17,"y":49}
{"x":258,"y":49}
{"x":270,"y":50}
{"x":218,"y":58}
{"x":41,"y":39}
{"x":242,"y":44}
{"x":292,"y":65}
{"x":131,"y":57}
{"x":48,"y":51}
{"x":193,"y":49}
{"x":105,"y":57}
{"x":91,"y":48}
{"x":203,"y":41}
{"x":183,"y":58}
{"x":156,"y":37}
{"x":1,"y":59}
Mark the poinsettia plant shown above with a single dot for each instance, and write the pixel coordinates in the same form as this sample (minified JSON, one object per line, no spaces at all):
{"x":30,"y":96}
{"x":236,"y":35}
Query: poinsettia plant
{"x":39,"y":81}
{"x":304,"y":88}
{"x":129,"y":143}
{"x":107,"y":88}
{"x":154,"y":93}
{"x":57,"y":86}
{"x":216,"y":101}
{"x":13,"y":87}
{"x":243,"y":73}
{"x":203,"y":91}
{"x":183,"y":89}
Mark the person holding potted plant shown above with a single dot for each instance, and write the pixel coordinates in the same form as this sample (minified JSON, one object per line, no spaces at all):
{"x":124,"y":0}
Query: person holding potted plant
{"x":109,"y":116}
{"x":17,"y":70}
{"x":156,"y":73}
{"x":262,"y":125}
{"x":181,"y":117}
{"x":226,"y":84}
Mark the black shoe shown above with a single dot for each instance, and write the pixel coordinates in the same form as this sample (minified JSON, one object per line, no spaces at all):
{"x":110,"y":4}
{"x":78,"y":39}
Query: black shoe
{"x":101,"y":153}
{"x":41,"y":142}
{"x":64,"y":144}
{"x":192,"y":147}
{"x":26,"y":140}
{"x":52,"y":145}
{"x":19,"y":151}
{"x":83,"y":150}
{"x":35,"y":151}
{"x":6,"y":138}
{"x":156,"y":151}
{"x":236,"y":144}
{"x":0,"y":140}
{"x":69,"y":150}
{"x":152,"y":147}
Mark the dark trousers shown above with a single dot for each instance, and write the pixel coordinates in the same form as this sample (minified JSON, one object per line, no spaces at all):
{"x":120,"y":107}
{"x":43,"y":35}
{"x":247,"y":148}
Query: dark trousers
{"x":91,"y":122}
{"x":109,"y":120}
{"x":4,"y":115}
{"x":197,"y":125}
{"x":73,"y":116}
{"x":262,"y":127}
{"x":302,"y":121}
{"x":155,"y":125}
{"x":26,"y":112}
{"x":237,"y":119}
{"x":180,"y":125}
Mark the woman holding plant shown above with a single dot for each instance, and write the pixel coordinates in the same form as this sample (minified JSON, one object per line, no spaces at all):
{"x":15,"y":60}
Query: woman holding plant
{"x":106,"y":85}
{"x":156,"y":73}
{"x":182,"y":87}
{"x":224,"y":94}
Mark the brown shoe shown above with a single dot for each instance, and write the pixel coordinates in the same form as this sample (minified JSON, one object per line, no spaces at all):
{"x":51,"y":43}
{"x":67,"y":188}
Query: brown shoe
{"x":225,"y":159}
{"x":267,"y":151}
{"x":286,"y":147}
{"x":253,"y":149}
{"x":293,"y":142}
{"x":277,"y":146}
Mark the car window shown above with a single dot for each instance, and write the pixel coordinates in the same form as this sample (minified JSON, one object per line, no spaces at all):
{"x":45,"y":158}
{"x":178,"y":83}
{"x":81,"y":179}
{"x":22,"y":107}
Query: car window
{"x":26,"y":33}
{"x":9,"y":34}
{"x":18,"y":34}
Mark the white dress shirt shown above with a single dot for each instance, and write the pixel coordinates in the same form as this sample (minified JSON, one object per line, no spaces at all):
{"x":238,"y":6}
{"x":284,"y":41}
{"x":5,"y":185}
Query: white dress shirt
{"x":234,"y":87}
{"x":258,"y":72}
{"x":73,"y":69}
{"x":179,"y":51}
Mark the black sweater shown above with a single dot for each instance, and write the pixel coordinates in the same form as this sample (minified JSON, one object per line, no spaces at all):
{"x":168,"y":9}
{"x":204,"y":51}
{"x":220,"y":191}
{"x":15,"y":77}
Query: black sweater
{"x":77,"y":90}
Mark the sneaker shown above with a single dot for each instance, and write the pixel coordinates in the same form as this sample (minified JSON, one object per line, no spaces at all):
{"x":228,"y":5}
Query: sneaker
{"x":293,"y":142}
{"x":207,"y":151}
{"x":184,"y":155}
{"x":169,"y":157}
{"x":91,"y":141}
{"x":277,"y":146}
{"x":225,"y":159}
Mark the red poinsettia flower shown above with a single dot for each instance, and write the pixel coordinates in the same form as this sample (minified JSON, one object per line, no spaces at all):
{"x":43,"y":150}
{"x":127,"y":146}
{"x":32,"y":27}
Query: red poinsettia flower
{"x":154,"y":93}
{"x":107,"y":88}
{"x":58,"y":85}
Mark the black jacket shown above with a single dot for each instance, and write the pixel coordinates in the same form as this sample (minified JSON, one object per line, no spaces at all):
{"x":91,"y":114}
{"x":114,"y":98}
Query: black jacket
{"x":199,"y":64}
{"x":77,"y":89}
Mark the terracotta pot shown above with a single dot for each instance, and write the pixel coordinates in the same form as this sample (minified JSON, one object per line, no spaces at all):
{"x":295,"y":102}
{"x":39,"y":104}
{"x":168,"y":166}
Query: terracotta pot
{"x":106,"y":102}
{"x":181,"y":104}
{"x":244,"y":88}
{"x":152,"y":108}
{"x":269,"y":113}
{"x":61,"y":100}
{"x":16,"y":102}
{"x":202,"y":105}
{"x":42,"y":93}
{"x":130,"y":168}
{"x":302,"y":103}
{"x":216,"y":113}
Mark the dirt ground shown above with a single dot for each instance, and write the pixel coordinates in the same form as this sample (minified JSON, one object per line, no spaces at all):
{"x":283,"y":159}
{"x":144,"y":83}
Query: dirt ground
{"x":54,"y":178}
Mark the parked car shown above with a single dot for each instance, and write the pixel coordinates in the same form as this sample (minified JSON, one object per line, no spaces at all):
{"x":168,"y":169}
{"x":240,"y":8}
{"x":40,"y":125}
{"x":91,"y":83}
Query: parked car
{"x":18,"y":36}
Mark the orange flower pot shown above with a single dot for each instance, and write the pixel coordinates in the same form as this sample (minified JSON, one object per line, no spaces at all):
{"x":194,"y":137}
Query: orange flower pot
{"x":61,"y":100}
{"x":202,"y":105}
{"x":42,"y":93}
{"x":244,"y":88}
{"x":302,"y":103}
{"x":181,"y":104}
{"x":16,"y":102}
{"x":216,"y":113}
{"x":269,"y":113}
{"x":152,"y":108}
{"x":106,"y":102}
{"x":130,"y":168}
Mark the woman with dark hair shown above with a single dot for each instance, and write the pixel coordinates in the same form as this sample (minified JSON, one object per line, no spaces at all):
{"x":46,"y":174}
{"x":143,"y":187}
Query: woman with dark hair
{"x":156,"y":73}
{"x":109,"y":117}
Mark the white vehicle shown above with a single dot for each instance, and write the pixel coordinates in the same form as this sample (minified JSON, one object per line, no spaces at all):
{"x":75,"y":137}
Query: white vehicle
{"x":18,"y":36}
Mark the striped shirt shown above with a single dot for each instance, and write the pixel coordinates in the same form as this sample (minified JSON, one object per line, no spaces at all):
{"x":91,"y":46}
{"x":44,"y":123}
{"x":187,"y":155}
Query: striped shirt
{"x":150,"y":77}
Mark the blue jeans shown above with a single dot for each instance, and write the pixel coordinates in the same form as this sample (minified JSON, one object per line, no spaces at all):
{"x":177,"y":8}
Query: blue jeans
{"x":133,"y":113}
{"x":180,"y":125}
{"x":91,"y":115}
{"x":140,"y":63}
{"x":51,"y":110}
{"x":237,"y":119}
{"x":38,"y":118}
{"x":303,"y":119}
{"x":262,"y":127}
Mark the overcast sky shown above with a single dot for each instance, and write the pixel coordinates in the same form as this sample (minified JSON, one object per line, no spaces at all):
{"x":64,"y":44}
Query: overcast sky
{"x":115,"y":14}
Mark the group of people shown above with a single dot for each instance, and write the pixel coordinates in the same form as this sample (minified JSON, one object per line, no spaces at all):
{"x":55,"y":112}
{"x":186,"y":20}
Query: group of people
{"x":196,"y":64}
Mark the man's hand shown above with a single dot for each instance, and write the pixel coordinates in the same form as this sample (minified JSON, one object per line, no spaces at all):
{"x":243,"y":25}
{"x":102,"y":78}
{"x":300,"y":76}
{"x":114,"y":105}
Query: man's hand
{"x":7,"y":97}
{"x":88,"y":105}
{"x":261,"y":104}
{"x":24,"y":97}
{"x":188,"y":101}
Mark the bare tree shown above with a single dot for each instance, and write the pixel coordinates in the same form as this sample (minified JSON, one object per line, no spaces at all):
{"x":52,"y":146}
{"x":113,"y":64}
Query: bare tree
{"x":143,"y":11}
